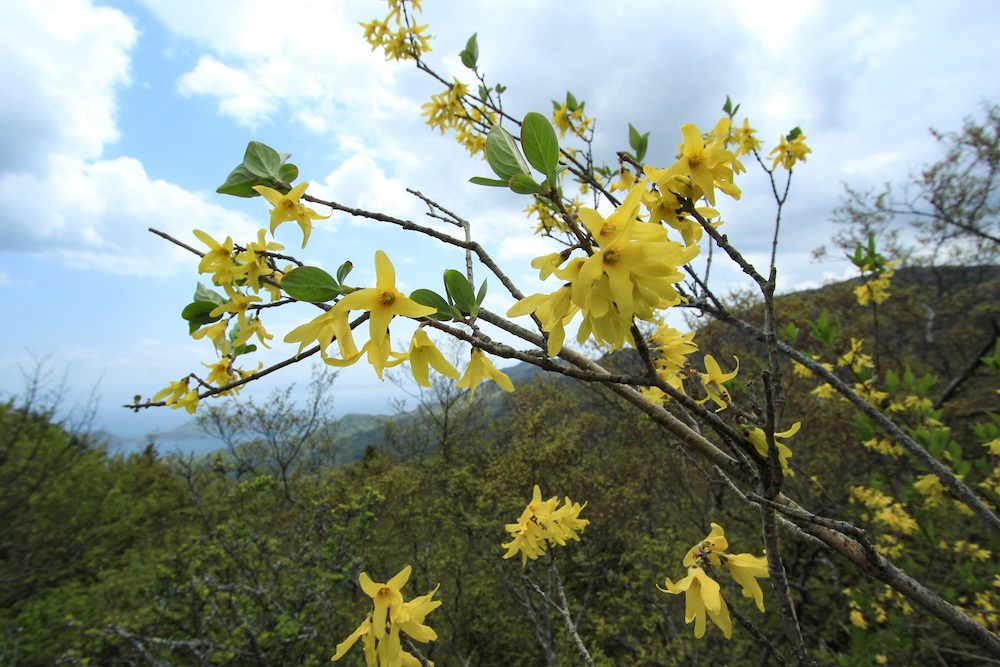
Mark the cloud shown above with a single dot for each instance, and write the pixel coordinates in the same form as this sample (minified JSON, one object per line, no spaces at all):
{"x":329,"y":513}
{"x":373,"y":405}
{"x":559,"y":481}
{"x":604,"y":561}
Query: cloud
{"x":63,"y":61}
{"x":95,"y":215}
{"x":63,"y":66}
{"x":302,"y":63}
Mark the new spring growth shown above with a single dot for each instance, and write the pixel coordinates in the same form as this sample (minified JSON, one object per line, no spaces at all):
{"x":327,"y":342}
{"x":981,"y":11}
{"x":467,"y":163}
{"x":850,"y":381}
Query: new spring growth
{"x":542,"y":524}
{"x":703,"y":595}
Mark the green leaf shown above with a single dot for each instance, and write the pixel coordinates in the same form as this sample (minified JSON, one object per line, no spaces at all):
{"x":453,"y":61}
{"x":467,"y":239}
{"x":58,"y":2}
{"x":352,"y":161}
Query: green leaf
{"x":343,"y":270}
{"x":262,"y":160}
{"x":484,"y":92}
{"x":445,"y":311}
{"x":633,"y":136}
{"x":523,"y":184}
{"x":481,"y":295}
{"x":460,"y":292}
{"x":197,"y":314}
{"x":202,"y":293}
{"x":728,"y":107}
{"x":311,"y":284}
{"x":538,"y":139}
{"x":492,"y":182}
{"x":638,"y":142}
{"x":470,"y":54}
{"x":287,"y":173}
{"x":503,"y":154}
{"x":789,"y":332}
{"x":240,"y":183}
{"x":571,"y":102}
{"x":794,"y":134}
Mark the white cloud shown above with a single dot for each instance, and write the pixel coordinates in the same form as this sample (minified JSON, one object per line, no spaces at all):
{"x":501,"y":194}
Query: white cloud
{"x":62,"y":62}
{"x":304,"y":60}
{"x":95,"y":215}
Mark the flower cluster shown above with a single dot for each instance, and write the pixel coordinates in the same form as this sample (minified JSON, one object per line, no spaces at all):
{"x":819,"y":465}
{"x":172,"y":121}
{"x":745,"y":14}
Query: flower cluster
{"x":455,"y":110}
{"x":876,"y":289}
{"x":231,"y":322}
{"x":703,"y":595}
{"x":790,"y":149}
{"x":630,"y":273}
{"x":544,"y":523}
{"x":389,"y":616}
{"x":396,"y":34}
{"x":574,"y":121}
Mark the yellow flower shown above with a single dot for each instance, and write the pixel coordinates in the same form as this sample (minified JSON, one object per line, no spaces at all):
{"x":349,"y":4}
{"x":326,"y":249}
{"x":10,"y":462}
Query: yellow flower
{"x":480,"y":367}
{"x":554,"y":311}
{"x":177,"y":395}
{"x":673,"y":348}
{"x":744,"y":139}
{"x":422,"y":353}
{"x":238,"y":304}
{"x":383,"y":302}
{"x":216,"y":333}
{"x":703,"y":597}
{"x":253,"y":328}
{"x":287,"y":207}
{"x":787,"y":153}
{"x":712,"y":380}
{"x":746,"y":569}
{"x":703,"y":593}
{"x":221,"y":372}
{"x":759,"y":441}
{"x":709,"y":548}
{"x":635,"y":270}
{"x":389,"y":616}
{"x":255,"y":259}
{"x":704,"y":165}
{"x":542,"y":524}
{"x":323,"y":329}
{"x":220,"y":260}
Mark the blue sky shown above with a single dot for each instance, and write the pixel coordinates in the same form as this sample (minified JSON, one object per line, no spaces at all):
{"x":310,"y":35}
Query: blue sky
{"x":119,"y":116}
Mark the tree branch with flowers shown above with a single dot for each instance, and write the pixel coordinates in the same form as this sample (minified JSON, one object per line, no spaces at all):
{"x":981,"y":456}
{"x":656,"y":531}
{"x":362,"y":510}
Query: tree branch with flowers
{"x":616,"y":270}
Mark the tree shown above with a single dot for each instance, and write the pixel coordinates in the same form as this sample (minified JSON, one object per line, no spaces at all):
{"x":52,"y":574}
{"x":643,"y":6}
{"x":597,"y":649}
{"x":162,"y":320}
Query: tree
{"x":619,"y":269}
{"x":952,"y":207}
{"x":278,"y":437}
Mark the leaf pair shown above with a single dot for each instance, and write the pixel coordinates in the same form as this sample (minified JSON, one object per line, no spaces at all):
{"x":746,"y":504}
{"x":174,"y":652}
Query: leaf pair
{"x":461,"y":299}
{"x":541,"y":151}
{"x":262,"y":165}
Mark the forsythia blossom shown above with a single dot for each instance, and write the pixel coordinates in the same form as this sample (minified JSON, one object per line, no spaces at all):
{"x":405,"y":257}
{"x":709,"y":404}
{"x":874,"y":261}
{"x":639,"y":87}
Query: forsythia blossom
{"x":757,"y":438}
{"x":542,"y":524}
{"x":390,"y":615}
{"x":287,"y":207}
{"x":703,"y":595}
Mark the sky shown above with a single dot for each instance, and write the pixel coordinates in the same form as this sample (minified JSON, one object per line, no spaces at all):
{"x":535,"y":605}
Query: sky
{"x":122,"y":115}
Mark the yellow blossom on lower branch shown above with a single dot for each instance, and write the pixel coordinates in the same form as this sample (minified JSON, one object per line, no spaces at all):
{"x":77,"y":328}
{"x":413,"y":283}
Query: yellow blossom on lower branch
{"x":481,"y":368}
{"x":703,"y":595}
{"x":703,"y":598}
{"x":542,"y":524}
{"x":389,"y":616}
{"x":179,"y":395}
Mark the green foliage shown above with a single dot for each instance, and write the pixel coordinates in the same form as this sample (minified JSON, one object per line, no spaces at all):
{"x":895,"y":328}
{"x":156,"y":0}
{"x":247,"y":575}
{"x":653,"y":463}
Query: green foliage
{"x":638,"y":142}
{"x":540,"y":144}
{"x":312,"y":284}
{"x":198,"y":313}
{"x":262,"y":165}
{"x":470,"y":54}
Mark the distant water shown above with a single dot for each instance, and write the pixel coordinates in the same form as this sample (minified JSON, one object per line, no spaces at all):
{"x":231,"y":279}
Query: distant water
{"x":167,"y":443}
